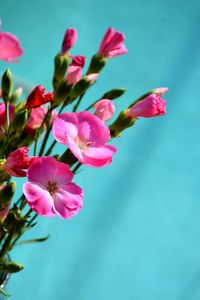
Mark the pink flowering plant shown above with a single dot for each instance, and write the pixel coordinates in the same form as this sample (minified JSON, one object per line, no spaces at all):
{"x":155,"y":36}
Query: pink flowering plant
{"x":27,"y":123}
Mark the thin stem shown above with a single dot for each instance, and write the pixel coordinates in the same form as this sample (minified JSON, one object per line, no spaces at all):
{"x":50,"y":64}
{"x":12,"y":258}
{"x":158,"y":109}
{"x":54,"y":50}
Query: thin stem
{"x":50,"y":148}
{"x":6,"y":244}
{"x":75,"y":169}
{"x":44,"y":141}
{"x":7,"y":116}
{"x":77,"y":103}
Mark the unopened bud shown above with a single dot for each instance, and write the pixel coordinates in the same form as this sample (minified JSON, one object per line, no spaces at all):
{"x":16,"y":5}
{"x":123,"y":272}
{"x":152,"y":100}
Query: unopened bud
{"x":7,"y":85}
{"x":16,"y":95}
{"x":12,"y":267}
{"x":114,"y":93}
{"x":61,"y":63}
{"x":81,"y":86}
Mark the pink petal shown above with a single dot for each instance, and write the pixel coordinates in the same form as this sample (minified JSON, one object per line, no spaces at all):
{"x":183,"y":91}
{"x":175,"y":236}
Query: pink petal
{"x":106,"y":39}
{"x":10,"y":48}
{"x":38,"y":199}
{"x":97,"y":132}
{"x":42,"y":170}
{"x":99,"y":157}
{"x":118,"y":51}
{"x":68,"y":201}
{"x":65,"y":124}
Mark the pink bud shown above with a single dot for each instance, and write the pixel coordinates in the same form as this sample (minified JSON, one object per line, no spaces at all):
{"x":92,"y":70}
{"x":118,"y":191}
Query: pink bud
{"x":74,"y":74}
{"x":151,"y":106}
{"x":10,"y":48}
{"x":161,"y":91}
{"x":69,"y":39}
{"x":17,"y":161}
{"x":112,"y":44}
{"x":104,"y":109}
{"x":78,"y":60}
{"x":91,"y":78}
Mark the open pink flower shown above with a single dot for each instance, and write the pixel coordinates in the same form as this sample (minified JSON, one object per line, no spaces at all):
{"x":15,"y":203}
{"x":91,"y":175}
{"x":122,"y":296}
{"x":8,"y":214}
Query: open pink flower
{"x":85,"y":135}
{"x":36,"y":118}
{"x":50,"y":191}
{"x":151,"y":106}
{"x":112,"y":44}
{"x":3,"y":115}
{"x":17,"y":162}
{"x":38,"y":97}
{"x":10,"y":48}
{"x":74,"y":74}
{"x":104,"y":109}
{"x":69,"y":39}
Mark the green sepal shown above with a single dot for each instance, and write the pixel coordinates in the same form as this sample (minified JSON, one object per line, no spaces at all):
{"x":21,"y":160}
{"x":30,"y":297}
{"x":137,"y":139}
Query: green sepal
{"x":61,"y":62}
{"x":122,"y":122}
{"x":97,"y":63}
{"x":61,"y":93}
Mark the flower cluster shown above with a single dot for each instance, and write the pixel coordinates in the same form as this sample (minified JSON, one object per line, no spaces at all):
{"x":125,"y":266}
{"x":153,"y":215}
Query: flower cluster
{"x":50,"y":189}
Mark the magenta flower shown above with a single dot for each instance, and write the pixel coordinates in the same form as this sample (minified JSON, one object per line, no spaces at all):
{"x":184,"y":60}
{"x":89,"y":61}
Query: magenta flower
{"x":10,"y":48}
{"x":112,"y":44}
{"x":85,"y":135}
{"x":17,"y":162}
{"x":36,"y":118}
{"x":50,"y":191}
{"x":104,"y":109}
{"x":151,"y":106}
{"x":74,"y":74}
{"x":69,"y":39}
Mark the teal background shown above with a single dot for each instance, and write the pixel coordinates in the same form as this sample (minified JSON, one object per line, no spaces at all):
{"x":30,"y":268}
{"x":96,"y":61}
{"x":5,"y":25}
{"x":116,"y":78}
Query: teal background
{"x":138,"y":235}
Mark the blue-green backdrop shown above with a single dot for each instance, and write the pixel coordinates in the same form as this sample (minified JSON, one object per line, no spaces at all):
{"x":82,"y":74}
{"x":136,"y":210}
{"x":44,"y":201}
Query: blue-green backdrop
{"x":138,"y":235}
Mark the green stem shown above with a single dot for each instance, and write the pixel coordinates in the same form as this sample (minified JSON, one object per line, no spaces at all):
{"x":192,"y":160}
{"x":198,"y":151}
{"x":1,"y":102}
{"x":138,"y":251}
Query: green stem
{"x":77,"y":103}
{"x":44,"y":141}
{"x":6,"y":244}
{"x":75,"y":169}
{"x":7,"y":116}
{"x":50,"y":148}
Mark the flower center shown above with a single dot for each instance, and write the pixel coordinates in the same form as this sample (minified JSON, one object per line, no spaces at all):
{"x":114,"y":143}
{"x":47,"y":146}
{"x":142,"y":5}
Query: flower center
{"x":52,"y":187}
{"x":82,"y":143}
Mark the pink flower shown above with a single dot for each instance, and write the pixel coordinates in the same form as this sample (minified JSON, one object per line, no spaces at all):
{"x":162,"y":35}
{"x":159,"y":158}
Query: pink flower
{"x":10,"y":48}
{"x":112,"y":44}
{"x":85,"y":135}
{"x":50,"y":191}
{"x":104,"y":109}
{"x":17,"y":161}
{"x":74,"y":74}
{"x":151,"y":106}
{"x":38,"y":97}
{"x":3,"y":115}
{"x":69,"y":39}
{"x":78,"y":60}
{"x":36,"y":118}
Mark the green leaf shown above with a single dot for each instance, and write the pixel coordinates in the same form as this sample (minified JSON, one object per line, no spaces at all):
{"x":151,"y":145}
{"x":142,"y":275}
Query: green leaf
{"x":12,"y":267}
{"x":33,"y":241}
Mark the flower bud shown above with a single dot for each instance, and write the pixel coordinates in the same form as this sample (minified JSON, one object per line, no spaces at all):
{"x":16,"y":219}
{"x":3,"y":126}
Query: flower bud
{"x":151,"y":106}
{"x":114,"y":93}
{"x":61,"y":62}
{"x":12,"y":267}
{"x":69,"y":39}
{"x":16,"y":95}
{"x":74,"y":74}
{"x":79,"y":88}
{"x":7,"y":85}
{"x":91,"y":78}
{"x":104,"y":109}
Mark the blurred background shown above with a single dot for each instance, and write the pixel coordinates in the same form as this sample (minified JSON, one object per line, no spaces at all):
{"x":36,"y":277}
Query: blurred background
{"x":138,"y":234}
